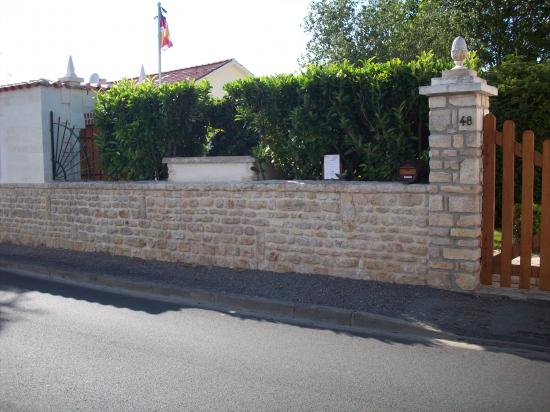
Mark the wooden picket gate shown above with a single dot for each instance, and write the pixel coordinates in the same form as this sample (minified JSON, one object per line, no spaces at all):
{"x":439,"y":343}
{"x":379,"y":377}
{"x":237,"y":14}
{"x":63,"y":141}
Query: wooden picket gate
{"x":499,"y":265}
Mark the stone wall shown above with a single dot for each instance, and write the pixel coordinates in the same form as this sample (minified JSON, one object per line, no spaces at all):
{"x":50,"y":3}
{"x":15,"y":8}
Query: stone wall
{"x":420,"y":234}
{"x":360,"y":230}
{"x":458,"y":101}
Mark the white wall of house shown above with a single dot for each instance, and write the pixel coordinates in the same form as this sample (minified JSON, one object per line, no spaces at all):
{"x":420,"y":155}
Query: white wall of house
{"x":21,"y":141}
{"x":25,"y":140}
{"x":225,"y":74}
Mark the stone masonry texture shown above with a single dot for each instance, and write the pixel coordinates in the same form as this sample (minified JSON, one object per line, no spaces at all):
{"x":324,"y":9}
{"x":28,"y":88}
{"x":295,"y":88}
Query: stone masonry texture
{"x":417,"y":234}
{"x":361,"y":230}
{"x":458,"y":101}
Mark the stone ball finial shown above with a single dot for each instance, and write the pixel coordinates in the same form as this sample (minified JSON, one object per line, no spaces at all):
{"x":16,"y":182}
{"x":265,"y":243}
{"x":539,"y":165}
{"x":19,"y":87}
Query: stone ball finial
{"x":459,"y":52}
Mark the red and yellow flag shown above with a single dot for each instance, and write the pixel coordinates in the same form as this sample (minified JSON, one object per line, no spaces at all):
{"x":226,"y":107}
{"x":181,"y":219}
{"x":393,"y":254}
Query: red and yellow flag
{"x":165,"y":42}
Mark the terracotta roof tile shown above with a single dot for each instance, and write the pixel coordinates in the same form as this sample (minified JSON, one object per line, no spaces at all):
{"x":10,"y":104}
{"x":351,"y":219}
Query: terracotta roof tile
{"x":190,"y":73}
{"x":42,"y":82}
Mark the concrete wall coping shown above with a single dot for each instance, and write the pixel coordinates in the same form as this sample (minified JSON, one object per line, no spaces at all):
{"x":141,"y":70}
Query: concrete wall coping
{"x":264,"y":185}
{"x":209,"y":159}
{"x":463,"y":88}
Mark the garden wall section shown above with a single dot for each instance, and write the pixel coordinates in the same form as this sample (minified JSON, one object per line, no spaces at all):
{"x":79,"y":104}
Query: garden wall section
{"x":358,"y":230}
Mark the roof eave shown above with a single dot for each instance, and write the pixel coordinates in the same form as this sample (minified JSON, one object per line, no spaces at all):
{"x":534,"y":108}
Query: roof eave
{"x":235,"y":62}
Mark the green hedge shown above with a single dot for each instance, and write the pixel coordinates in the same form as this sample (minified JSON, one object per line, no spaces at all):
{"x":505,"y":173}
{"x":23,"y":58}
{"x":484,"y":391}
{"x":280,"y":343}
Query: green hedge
{"x":371,"y":115}
{"x":524,"y":97}
{"x":517,"y":221}
{"x":228,"y":135}
{"x":142,"y":123}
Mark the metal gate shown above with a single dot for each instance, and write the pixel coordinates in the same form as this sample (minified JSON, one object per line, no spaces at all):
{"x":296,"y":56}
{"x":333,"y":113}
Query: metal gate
{"x":70,"y":160}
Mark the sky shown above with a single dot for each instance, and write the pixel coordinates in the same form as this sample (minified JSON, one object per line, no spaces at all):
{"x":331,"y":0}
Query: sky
{"x":114,"y":38}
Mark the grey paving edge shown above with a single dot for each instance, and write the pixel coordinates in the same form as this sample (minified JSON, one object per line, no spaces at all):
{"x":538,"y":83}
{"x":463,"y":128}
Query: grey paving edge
{"x":514,"y":294}
{"x":258,"y":307}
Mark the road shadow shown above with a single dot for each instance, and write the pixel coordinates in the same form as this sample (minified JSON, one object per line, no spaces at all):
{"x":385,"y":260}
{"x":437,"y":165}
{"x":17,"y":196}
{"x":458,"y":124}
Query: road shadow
{"x":14,"y":283}
{"x":14,"y":287}
{"x":13,"y":305}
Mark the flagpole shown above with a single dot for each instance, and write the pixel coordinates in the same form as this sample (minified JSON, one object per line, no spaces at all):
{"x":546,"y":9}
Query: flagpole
{"x":159,"y":40}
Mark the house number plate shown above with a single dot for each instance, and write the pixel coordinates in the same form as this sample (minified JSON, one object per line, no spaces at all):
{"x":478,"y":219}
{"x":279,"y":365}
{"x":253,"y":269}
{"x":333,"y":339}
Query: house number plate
{"x":466,"y":121}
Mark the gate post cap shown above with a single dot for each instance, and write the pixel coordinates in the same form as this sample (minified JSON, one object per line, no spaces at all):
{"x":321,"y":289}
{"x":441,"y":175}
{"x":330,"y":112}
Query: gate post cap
{"x":459,"y":52}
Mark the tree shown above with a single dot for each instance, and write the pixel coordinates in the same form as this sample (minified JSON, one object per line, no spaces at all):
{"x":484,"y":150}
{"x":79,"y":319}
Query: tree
{"x":355,"y":30}
{"x":506,"y":27}
{"x":333,"y":26}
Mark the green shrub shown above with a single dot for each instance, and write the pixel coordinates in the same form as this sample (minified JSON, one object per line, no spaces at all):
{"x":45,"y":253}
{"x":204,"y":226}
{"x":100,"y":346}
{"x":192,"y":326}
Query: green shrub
{"x":229,"y":136}
{"x":517,"y":220}
{"x":266,"y":105}
{"x":371,"y":115}
{"x":523,"y":96}
{"x":142,"y":123}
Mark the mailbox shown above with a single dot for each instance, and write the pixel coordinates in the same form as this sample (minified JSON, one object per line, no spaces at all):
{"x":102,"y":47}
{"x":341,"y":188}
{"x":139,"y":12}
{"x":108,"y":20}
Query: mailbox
{"x":413,"y":171}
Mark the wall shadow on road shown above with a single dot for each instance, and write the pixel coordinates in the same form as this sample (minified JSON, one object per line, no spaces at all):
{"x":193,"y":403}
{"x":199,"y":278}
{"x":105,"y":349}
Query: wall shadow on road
{"x":13,"y":307}
{"x":8,"y":306}
{"x":21,"y":284}
{"x":404,"y":339}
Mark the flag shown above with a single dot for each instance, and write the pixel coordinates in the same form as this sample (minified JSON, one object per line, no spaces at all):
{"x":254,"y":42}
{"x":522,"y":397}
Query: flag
{"x":165,"y":42}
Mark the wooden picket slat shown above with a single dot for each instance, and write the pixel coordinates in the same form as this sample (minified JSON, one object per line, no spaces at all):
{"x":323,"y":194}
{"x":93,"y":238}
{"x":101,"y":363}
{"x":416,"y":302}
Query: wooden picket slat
{"x":518,"y":150}
{"x":516,"y":247}
{"x":495,"y":263}
{"x":508,"y":161}
{"x":527,"y":189}
{"x":516,"y":269}
{"x":545,"y":219}
{"x":488,"y":206}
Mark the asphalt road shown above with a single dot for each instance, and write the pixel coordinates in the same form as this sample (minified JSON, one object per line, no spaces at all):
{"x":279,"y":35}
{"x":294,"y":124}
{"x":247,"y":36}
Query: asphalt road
{"x":70,"y":348}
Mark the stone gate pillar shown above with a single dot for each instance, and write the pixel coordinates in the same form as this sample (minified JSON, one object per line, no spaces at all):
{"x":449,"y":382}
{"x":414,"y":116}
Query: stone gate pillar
{"x":458,"y":101}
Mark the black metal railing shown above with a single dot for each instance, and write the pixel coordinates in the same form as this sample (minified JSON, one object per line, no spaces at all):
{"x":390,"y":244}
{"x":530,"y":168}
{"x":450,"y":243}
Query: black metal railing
{"x":70,"y":160}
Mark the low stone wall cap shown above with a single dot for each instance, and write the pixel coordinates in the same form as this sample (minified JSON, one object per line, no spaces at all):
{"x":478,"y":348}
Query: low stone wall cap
{"x":458,"y":88}
{"x":331,"y":186}
{"x":208,"y":159}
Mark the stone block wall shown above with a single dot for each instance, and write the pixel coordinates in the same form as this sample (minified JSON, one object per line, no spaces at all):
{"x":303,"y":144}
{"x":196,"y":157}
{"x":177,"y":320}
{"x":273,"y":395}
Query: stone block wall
{"x":458,"y":101}
{"x":361,"y":230}
{"x":418,"y":234}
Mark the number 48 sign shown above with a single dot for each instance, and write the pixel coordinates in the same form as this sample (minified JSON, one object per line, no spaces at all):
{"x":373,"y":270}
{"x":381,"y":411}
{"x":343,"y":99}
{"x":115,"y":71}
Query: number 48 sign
{"x":466,"y":121}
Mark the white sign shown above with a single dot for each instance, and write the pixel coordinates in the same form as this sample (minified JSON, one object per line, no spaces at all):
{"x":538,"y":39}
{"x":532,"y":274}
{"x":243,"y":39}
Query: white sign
{"x":331,"y":167}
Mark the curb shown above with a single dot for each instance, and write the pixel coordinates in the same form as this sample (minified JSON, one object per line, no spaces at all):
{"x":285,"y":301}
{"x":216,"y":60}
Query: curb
{"x":514,"y":294}
{"x":301,"y":314}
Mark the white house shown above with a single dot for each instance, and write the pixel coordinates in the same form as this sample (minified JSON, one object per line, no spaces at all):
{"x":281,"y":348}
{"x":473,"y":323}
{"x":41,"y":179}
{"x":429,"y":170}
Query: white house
{"x":25,"y":129}
{"x":218,"y":74}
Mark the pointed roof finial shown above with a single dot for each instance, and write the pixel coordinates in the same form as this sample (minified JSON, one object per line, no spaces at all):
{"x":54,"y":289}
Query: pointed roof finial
{"x":141,"y":75}
{"x":70,"y":68}
{"x":70,"y":77}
